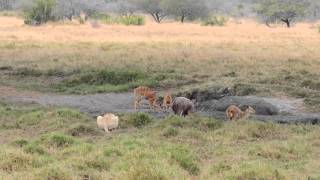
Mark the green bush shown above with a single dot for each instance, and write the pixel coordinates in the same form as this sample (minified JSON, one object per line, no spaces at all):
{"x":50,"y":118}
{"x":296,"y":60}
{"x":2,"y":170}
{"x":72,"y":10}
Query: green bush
{"x":82,"y":129}
{"x":41,"y":12}
{"x":34,"y":148}
{"x":20,"y":142}
{"x":170,"y":132}
{"x":215,"y":21}
{"x":244,"y":89}
{"x":125,"y":20}
{"x":131,"y":20}
{"x":139,"y":119}
{"x":57,"y":140}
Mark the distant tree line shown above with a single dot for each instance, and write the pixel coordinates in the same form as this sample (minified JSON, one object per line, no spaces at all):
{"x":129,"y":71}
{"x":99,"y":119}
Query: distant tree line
{"x":269,"y":11}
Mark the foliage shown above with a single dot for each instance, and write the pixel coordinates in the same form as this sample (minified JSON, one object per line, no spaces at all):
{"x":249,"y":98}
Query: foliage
{"x":131,"y":20}
{"x":152,"y":7}
{"x":185,"y":9}
{"x":41,"y":12}
{"x":137,"y":120}
{"x":286,"y":11}
{"x":215,"y":21}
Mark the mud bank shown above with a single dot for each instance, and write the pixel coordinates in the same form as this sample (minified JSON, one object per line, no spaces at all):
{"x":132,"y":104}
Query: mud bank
{"x":268,"y":109}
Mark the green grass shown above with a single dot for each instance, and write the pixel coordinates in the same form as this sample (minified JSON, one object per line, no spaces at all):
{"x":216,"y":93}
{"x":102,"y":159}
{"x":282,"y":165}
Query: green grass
{"x":67,"y":144}
{"x":215,"y":21}
{"x":85,"y":81}
{"x":124,"y":20}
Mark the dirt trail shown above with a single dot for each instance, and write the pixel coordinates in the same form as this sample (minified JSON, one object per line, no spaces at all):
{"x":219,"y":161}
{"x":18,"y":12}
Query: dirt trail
{"x":291,"y":109}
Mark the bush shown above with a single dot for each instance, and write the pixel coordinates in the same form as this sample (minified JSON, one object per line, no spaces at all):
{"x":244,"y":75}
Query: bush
{"x":57,"y":140}
{"x":82,"y":129}
{"x":244,"y":89}
{"x":131,"y":20}
{"x":215,"y":21}
{"x":41,"y":12}
{"x":34,"y":148}
{"x":20,"y":142}
{"x":170,"y":132}
{"x":138,"y":119}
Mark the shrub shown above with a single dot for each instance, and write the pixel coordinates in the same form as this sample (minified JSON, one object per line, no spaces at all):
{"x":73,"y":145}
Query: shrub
{"x":34,"y":148}
{"x":57,"y":140}
{"x":106,"y":19}
{"x":82,"y":129}
{"x":215,"y":21}
{"x":138,"y":119}
{"x":170,"y":132}
{"x":41,"y":12}
{"x":131,"y":20}
{"x":244,"y":89}
{"x":20,"y":142}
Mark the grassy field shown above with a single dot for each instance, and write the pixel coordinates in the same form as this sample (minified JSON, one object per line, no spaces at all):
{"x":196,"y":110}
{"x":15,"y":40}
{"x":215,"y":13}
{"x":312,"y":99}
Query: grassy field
{"x":55,"y":143}
{"x":276,"y":61}
{"x":73,"y":58}
{"x":59,"y":144}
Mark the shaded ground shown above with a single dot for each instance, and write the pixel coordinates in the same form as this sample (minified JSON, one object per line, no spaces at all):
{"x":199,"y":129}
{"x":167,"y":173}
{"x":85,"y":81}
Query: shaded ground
{"x":269,"y":109}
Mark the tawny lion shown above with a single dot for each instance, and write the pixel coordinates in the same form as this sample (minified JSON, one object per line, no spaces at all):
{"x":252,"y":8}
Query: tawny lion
{"x":146,"y":93}
{"x":235,"y":113}
{"x":108,"y":122}
{"x":167,"y":101}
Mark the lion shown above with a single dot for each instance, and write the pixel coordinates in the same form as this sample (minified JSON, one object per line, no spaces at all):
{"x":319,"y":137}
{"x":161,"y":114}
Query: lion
{"x":235,"y":113}
{"x":108,"y":122}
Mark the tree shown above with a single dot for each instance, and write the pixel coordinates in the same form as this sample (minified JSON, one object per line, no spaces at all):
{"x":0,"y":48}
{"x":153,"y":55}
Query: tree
{"x":314,"y":10}
{"x":6,"y":4}
{"x":286,"y":11}
{"x":70,"y":8}
{"x":125,"y":7}
{"x":152,"y":7}
{"x":185,"y":9}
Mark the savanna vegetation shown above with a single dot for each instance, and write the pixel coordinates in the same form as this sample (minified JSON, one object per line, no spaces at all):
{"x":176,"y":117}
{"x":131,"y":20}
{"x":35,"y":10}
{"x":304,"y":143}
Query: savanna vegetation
{"x":39,"y":143}
{"x":76,"y":47}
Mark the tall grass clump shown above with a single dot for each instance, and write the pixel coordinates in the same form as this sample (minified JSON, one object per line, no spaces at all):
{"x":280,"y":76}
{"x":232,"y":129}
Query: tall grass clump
{"x":137,"y":120}
{"x":106,"y":80}
{"x":185,"y":159}
{"x":40,"y":12}
{"x":215,"y":21}
{"x":132,"y":20}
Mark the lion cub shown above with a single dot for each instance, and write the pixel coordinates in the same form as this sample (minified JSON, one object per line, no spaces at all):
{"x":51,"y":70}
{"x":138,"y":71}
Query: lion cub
{"x":235,"y":113}
{"x":108,"y":122}
{"x":146,"y":93}
{"x":167,"y":101}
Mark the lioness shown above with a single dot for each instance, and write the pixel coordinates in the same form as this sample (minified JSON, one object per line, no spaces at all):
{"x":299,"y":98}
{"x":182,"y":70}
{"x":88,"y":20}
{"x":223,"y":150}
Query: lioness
{"x":235,"y":113}
{"x":108,"y":122}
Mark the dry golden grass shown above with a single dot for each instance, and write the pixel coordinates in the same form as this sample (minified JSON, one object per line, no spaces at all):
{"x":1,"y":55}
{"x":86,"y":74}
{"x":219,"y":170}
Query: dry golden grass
{"x":253,"y":51}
